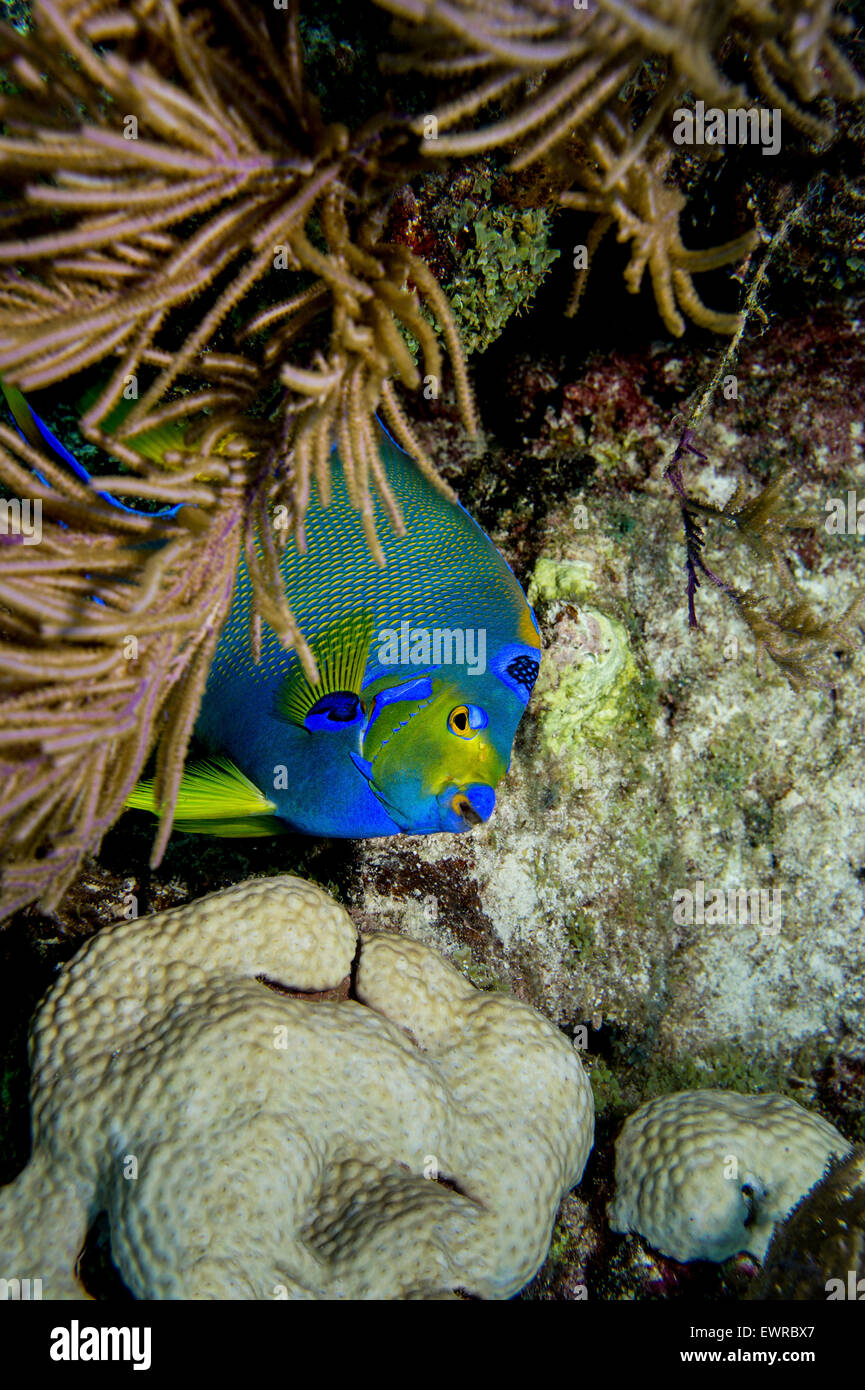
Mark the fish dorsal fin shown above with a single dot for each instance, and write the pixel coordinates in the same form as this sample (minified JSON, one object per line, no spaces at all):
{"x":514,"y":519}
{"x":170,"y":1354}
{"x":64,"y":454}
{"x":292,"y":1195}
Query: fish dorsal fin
{"x":340,"y":652}
{"x":215,"y":798}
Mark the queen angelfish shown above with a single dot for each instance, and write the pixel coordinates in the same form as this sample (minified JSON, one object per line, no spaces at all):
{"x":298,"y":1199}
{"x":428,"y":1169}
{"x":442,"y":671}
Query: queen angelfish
{"x":425,"y":668}
{"x":425,"y":665}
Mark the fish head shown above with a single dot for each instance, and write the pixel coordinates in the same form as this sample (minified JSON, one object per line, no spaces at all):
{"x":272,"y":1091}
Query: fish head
{"x":435,"y":746}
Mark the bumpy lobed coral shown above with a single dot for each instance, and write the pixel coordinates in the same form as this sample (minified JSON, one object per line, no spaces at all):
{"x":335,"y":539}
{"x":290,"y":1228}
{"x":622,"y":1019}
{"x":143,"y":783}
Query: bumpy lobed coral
{"x":703,"y":1174}
{"x":386,"y":1132}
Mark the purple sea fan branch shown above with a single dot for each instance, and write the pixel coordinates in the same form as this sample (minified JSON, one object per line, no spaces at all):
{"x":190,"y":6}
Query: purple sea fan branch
{"x":694,"y":536}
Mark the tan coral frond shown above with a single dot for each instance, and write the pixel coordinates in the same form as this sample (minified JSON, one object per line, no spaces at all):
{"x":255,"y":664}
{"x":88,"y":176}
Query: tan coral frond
{"x":647,"y":209}
{"x":795,"y":43}
{"x":85,"y":683}
{"x":790,"y":632}
{"x":161,"y":255}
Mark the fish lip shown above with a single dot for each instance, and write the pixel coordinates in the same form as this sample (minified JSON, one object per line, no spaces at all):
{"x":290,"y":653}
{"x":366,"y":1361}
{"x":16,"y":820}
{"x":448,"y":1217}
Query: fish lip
{"x":453,"y":802}
{"x":467,"y":812}
{"x":458,"y":811}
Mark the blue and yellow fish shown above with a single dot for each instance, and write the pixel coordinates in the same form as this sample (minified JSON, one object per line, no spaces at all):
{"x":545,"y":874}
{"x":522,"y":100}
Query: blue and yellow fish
{"x":425,"y":668}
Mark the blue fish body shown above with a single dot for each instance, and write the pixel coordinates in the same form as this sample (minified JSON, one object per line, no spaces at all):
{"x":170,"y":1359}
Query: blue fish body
{"x":444,"y":626}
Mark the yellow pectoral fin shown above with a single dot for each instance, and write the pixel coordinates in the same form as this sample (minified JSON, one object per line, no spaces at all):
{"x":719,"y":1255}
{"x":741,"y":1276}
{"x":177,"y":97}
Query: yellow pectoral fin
{"x":157,"y":441}
{"x":215,"y":798}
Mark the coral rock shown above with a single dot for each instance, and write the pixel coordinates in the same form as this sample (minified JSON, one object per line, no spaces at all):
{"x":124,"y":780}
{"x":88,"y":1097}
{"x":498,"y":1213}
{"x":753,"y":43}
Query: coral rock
{"x":702,"y":1175}
{"x":410,"y":1141}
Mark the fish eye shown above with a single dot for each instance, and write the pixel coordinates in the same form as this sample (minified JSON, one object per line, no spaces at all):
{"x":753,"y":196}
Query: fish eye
{"x":466,"y":720}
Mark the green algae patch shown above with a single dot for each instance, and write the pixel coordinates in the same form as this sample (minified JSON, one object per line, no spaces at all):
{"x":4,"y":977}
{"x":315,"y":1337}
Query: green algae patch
{"x":723,"y":1066}
{"x":634,"y":1073}
{"x":736,"y":755}
{"x":597,"y":693}
{"x":561,"y":579}
{"x":500,"y":270}
{"x":477,"y":972}
{"x":738,"y":776}
{"x":488,"y":255}
{"x":581,"y":931}
{"x":606,"y":1087}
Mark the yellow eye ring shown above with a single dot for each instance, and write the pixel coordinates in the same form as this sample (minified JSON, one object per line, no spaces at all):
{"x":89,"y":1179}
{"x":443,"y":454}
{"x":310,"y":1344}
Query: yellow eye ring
{"x":458,"y":722}
{"x":461,"y":723}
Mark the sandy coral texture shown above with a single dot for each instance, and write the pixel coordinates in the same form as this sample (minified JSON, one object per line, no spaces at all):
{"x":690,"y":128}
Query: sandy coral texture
{"x":703,"y":1174}
{"x":411,"y":1140}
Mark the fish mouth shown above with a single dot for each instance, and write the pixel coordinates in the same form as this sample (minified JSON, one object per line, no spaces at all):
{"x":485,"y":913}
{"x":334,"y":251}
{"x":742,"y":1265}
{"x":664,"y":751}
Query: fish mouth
{"x":463,"y":808}
{"x":466,"y":810}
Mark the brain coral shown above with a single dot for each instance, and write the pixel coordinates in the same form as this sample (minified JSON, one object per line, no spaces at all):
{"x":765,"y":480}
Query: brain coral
{"x":703,"y":1174}
{"x":408,"y":1136}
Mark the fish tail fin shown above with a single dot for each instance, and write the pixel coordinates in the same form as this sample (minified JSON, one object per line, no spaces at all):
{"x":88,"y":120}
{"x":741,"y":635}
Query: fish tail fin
{"x":214,"y":798}
{"x":152,"y":444}
{"x":21,"y":413}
